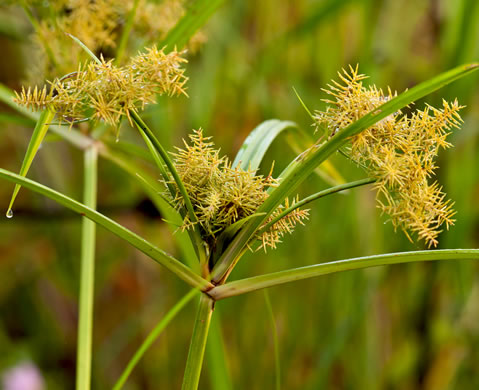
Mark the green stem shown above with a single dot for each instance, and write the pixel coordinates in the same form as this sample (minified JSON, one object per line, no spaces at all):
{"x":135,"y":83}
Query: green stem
{"x":126,"y":33}
{"x":274,"y":279}
{"x":155,"y":253}
{"x":316,"y":196}
{"x":87,"y":276}
{"x":154,"y":334}
{"x":198,"y":344}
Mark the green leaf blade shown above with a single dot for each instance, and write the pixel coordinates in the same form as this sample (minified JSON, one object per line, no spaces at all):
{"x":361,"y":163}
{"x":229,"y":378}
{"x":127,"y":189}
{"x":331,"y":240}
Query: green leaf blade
{"x":258,"y":142}
{"x":38,"y":135}
{"x":274,"y":279}
{"x":152,"y":336}
{"x":155,"y":253}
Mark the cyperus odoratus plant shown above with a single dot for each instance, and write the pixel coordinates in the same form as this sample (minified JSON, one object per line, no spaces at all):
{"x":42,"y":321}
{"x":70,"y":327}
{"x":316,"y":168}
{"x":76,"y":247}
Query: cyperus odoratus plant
{"x":398,"y":151}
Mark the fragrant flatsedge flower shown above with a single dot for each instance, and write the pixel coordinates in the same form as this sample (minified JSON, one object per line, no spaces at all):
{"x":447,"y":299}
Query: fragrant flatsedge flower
{"x":222,"y":195}
{"x":103,"y":91}
{"x":398,"y":151}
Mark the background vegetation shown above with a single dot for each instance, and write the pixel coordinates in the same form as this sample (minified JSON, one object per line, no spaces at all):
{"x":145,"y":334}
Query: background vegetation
{"x":398,"y":327}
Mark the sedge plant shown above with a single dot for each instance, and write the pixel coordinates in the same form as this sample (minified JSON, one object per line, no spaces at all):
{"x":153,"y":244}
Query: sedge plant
{"x":225,"y":207}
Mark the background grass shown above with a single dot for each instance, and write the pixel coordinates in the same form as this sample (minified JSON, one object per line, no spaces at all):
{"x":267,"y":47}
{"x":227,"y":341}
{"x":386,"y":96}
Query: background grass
{"x":398,"y":327}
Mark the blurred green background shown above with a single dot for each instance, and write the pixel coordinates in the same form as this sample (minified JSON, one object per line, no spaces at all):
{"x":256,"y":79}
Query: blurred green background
{"x":398,"y":327}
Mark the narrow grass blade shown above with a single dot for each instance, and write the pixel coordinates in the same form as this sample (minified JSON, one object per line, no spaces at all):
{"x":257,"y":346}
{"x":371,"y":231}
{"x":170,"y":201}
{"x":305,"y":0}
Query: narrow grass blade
{"x":258,"y":141}
{"x":303,"y":202}
{"x":152,"y":336}
{"x":39,"y":132}
{"x":196,"y":352}
{"x":195,"y":17}
{"x":158,"y":152}
{"x":227,"y":235}
{"x":154,"y":191}
{"x":274,"y":334}
{"x":87,"y":273}
{"x":160,"y":256}
{"x":157,"y":158}
{"x":84,"y":47}
{"x":274,"y":279}
{"x":307,"y":162}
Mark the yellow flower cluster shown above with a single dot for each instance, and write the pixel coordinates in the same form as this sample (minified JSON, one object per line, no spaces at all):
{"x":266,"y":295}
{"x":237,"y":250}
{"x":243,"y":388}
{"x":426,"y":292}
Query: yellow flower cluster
{"x":107,"y":92}
{"x":98,"y":24}
{"x":398,"y":151}
{"x":222,"y":195}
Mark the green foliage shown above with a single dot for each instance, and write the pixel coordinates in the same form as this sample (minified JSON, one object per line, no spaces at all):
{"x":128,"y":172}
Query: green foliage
{"x":405,"y":324}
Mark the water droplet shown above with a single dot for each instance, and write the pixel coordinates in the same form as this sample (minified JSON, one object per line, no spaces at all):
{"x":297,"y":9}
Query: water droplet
{"x":117,"y":139}
{"x":9,"y":213}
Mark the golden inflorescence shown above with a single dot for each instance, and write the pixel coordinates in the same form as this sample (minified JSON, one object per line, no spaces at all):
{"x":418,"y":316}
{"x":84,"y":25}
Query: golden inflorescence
{"x":222,"y":195}
{"x":98,"y":24}
{"x":107,"y":92}
{"x":398,"y":151}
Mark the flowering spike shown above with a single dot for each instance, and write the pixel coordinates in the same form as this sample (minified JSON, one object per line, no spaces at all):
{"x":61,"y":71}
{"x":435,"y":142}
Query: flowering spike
{"x":398,"y":151}
{"x":110,"y":91}
{"x":222,"y":195}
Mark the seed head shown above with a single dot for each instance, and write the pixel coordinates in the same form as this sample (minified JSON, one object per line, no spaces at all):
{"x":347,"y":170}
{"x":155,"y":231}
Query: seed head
{"x":107,"y":92}
{"x":222,"y":195}
{"x":398,"y":151}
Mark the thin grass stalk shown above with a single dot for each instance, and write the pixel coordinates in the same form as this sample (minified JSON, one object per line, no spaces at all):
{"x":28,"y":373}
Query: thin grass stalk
{"x":244,"y":286}
{"x":152,"y":336}
{"x":303,"y":202}
{"x":196,"y":353}
{"x":87,"y":274}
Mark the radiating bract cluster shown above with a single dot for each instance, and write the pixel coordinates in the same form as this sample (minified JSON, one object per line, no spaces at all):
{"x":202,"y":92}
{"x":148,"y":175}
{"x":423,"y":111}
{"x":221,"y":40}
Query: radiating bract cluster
{"x":222,"y":195}
{"x":107,"y":92}
{"x":398,"y":151}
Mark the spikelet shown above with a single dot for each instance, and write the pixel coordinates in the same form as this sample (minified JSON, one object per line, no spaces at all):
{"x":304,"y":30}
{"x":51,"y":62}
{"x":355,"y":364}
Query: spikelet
{"x":108,"y":92}
{"x":222,"y":195}
{"x":273,"y":236}
{"x":399,"y":152}
{"x":35,"y":100}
